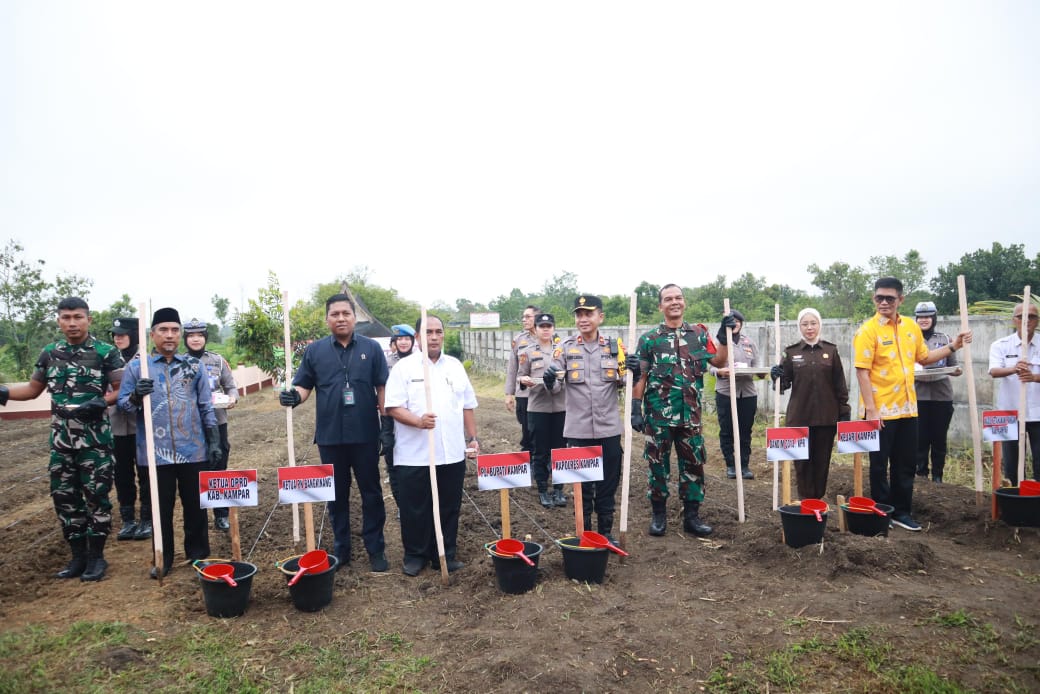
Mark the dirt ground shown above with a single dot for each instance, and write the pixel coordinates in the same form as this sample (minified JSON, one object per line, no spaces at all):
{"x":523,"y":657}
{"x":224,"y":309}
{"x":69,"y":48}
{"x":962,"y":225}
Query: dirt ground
{"x":678,"y":610}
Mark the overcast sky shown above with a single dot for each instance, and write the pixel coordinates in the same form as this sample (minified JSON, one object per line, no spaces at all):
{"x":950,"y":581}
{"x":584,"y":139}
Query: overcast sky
{"x":173,"y":151}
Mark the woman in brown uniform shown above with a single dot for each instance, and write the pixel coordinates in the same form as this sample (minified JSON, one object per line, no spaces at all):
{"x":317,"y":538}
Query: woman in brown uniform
{"x":812,"y":369}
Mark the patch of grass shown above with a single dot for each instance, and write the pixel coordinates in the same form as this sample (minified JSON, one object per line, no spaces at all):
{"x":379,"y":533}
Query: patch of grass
{"x":917,"y":679}
{"x":207,"y":657}
{"x":959,"y":618}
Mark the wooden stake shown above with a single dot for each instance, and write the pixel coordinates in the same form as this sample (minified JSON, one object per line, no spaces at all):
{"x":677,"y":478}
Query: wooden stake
{"x":149,"y":445}
{"x":626,"y":466}
{"x":236,"y":538}
{"x":503,"y":502}
{"x":579,"y":513}
{"x":776,"y":418}
{"x":308,"y":518}
{"x":998,"y":463}
{"x":973,"y":412}
{"x":841,"y":513}
{"x":1027,"y":296}
{"x":733,"y":414}
{"x":431,"y":443}
{"x":857,"y":474}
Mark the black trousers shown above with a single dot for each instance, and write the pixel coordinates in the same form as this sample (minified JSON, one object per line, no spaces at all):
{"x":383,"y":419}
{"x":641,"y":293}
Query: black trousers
{"x":892,"y":467}
{"x":933,"y":421}
{"x":547,"y":432}
{"x":363,"y":460}
{"x":599,"y":496}
{"x":811,"y":475}
{"x":225,"y":446}
{"x":1009,"y":449}
{"x":182,"y":479}
{"x":526,"y":439}
{"x":126,"y":467}
{"x":746,"y":409}
{"x":418,"y":535}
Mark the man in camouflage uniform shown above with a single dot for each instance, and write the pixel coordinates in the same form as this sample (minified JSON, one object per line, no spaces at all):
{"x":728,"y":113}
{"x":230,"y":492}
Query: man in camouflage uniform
{"x":672,"y":358}
{"x":78,"y":372}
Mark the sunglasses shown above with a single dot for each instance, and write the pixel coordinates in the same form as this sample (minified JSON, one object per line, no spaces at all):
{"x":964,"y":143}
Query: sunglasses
{"x":885,"y":299}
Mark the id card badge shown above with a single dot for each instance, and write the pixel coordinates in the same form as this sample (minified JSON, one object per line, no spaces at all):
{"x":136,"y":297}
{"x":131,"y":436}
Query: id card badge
{"x":348,"y":395}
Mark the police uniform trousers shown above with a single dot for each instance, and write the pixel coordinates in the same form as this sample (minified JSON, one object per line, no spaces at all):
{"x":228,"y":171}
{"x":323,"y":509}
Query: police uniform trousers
{"x":1009,"y":450}
{"x":418,"y":535}
{"x":811,"y":475}
{"x":599,"y":496}
{"x":547,"y":432}
{"x":933,"y":421}
{"x":182,"y":479}
{"x":892,"y":467}
{"x":126,"y":468}
{"x":526,"y":437}
{"x":361,"y":459}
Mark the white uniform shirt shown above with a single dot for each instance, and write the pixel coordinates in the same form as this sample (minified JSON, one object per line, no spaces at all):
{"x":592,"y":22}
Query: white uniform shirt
{"x":451,"y":393}
{"x":1005,"y":353}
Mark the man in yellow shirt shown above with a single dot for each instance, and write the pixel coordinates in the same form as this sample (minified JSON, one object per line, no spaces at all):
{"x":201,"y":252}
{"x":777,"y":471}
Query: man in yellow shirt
{"x":886,"y":347}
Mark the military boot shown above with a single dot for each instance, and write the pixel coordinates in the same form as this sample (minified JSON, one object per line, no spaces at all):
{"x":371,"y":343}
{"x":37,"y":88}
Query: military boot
{"x":129,"y":528}
{"x":692,"y":522}
{"x":659,"y":517}
{"x":96,"y":563}
{"x":604,"y":524}
{"x":144,"y":528}
{"x":78,"y":564}
{"x":544,"y":498}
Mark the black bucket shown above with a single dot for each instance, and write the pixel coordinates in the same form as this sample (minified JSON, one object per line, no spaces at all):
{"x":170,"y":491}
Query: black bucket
{"x":1017,"y":510}
{"x":514,"y":575}
{"x":223,"y":600}
{"x":801,"y":529}
{"x":867,"y":522}
{"x":313,"y":591}
{"x":587,"y":564}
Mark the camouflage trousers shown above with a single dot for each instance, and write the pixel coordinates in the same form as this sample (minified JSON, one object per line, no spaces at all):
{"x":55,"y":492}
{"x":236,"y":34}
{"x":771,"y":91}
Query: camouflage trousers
{"x":81,"y":477}
{"x":689,"y":449}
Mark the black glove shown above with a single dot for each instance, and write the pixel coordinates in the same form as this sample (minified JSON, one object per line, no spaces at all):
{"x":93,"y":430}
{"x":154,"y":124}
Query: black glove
{"x":4,"y":393}
{"x":776,"y":372}
{"x":549,"y":377}
{"x":632,"y":364}
{"x":844,"y":417}
{"x":289,"y":398}
{"x":387,"y":439}
{"x":143,"y":387}
{"x":214,"y":450}
{"x":91,"y":410}
{"x":727,"y":322}
{"x":638,"y":423}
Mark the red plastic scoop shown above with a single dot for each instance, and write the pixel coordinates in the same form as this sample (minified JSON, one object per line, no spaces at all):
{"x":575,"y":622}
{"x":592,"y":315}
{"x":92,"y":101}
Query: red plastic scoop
{"x":510,"y":546}
{"x":864,"y":504}
{"x":591,"y":539}
{"x":815,"y":507}
{"x":313,"y":562}
{"x":221,"y":572}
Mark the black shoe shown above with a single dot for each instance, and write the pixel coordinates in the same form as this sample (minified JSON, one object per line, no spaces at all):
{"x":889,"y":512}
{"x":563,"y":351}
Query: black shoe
{"x":144,"y":530}
{"x":731,"y":473}
{"x":698,"y":527}
{"x":543,"y":497}
{"x":747,"y":474}
{"x":412,"y":566}
{"x":453,"y":565}
{"x":378,"y":562}
{"x":658,"y":519}
{"x":222,"y":523}
{"x":937,"y":478}
{"x":153,"y":573}
{"x":128,"y":530}
{"x":95,"y":569}
{"x":559,"y":498}
{"x":78,"y":564}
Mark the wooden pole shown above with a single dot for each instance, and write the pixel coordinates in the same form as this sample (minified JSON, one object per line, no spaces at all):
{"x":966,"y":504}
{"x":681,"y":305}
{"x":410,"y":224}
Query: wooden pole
{"x":733,"y":415}
{"x":308,"y":518}
{"x":998,"y":462}
{"x":857,"y":474}
{"x":149,"y":445}
{"x":626,"y":466}
{"x":1023,"y":356}
{"x":431,"y":443}
{"x":776,"y":418}
{"x":236,"y":538}
{"x":969,"y":372}
{"x":503,"y":502}
{"x":579,"y":511}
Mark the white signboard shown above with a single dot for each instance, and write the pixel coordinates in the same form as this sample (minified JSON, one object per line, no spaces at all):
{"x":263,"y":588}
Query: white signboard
{"x":577,"y":465}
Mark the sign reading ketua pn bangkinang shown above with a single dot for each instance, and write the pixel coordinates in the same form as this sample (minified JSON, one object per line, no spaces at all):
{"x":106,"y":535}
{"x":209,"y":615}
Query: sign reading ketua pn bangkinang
{"x":304,"y":483}
{"x":224,"y":488}
{"x":504,"y":470}
{"x":1000,"y":425}
{"x":577,"y":465}
{"x":861,"y":436}
{"x":787,"y":443}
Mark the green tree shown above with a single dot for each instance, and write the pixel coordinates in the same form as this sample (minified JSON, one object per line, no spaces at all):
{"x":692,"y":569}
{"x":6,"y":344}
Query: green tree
{"x":28,"y":306}
{"x":220,"y":306}
{"x":647,"y":301}
{"x":998,"y":273}
{"x":560,"y":290}
{"x":911,"y":269}
{"x":510,"y":308}
{"x":846,"y":290}
{"x":102,"y":320}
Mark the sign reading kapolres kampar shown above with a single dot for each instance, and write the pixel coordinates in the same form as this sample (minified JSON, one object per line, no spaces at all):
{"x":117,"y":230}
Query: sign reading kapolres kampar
{"x":787,"y":443}
{"x":225,"y":488}
{"x":577,"y":465}
{"x":503,"y":471}
{"x":1000,"y":425}
{"x":305,"y":483}
{"x":861,"y":436}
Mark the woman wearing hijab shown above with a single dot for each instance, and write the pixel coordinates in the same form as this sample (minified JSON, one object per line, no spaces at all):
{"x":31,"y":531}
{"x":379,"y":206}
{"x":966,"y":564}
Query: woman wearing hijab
{"x":934,"y":397}
{"x":812,"y":369}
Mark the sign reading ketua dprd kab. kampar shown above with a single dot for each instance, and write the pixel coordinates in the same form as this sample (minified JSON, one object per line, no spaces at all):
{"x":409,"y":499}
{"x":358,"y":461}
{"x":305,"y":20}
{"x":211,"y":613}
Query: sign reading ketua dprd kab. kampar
{"x":224,"y":488}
